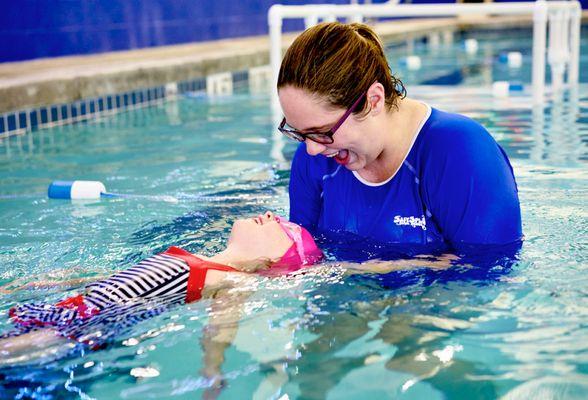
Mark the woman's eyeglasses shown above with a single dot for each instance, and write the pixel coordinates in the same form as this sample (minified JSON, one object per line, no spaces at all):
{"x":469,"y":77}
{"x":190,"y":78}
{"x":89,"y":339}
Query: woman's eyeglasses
{"x":318,"y":137}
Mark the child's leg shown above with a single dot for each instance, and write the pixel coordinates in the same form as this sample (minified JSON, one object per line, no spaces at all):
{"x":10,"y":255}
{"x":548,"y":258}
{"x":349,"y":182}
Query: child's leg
{"x":36,"y":345}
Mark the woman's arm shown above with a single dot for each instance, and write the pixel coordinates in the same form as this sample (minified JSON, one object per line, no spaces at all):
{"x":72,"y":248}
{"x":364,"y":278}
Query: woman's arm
{"x":443,"y":261}
{"x":469,"y":186}
{"x":305,"y":189}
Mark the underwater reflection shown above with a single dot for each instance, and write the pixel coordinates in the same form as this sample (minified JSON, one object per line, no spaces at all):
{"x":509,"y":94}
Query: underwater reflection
{"x":371,"y":342}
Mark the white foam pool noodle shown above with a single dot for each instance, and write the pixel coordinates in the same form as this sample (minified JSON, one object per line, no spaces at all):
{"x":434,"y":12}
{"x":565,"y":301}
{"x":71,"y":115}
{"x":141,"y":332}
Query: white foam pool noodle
{"x":471,"y":46}
{"x":413,"y":62}
{"x":87,"y":189}
{"x":500,"y":89}
{"x":515,"y":59}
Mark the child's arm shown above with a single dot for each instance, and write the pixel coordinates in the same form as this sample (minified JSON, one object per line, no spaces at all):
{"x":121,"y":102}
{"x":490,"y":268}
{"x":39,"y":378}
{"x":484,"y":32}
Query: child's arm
{"x":50,"y":282}
{"x":218,"y":335}
{"x":35,"y":345}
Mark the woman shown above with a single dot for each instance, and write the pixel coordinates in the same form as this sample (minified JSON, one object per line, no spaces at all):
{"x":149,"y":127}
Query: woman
{"x":380,"y":165}
{"x":266,"y":244}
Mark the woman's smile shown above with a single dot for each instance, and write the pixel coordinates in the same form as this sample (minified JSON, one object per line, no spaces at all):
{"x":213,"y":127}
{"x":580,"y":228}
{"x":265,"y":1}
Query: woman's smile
{"x":342,"y":157}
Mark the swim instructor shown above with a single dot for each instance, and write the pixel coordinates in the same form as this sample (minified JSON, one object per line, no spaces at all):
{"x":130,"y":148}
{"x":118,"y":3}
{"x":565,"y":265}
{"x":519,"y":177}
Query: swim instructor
{"x":380,"y":165}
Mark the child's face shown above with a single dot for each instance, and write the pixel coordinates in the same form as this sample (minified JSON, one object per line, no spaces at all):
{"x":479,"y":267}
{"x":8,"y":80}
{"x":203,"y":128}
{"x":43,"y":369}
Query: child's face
{"x":260,"y":237}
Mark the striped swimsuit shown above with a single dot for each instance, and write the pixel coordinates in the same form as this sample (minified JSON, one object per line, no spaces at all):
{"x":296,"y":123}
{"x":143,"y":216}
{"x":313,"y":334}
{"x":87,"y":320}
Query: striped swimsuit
{"x":159,"y":275}
{"x":121,"y":300}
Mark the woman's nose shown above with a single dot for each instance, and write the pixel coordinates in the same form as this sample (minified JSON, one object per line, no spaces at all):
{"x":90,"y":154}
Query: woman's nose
{"x":314,"y":148}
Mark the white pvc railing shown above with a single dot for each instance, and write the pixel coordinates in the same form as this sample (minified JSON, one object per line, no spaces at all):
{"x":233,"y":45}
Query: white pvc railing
{"x":563,"y":18}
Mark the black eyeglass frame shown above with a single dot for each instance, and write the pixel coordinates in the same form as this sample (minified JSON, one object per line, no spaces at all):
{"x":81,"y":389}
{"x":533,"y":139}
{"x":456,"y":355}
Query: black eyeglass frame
{"x":319,"y":137}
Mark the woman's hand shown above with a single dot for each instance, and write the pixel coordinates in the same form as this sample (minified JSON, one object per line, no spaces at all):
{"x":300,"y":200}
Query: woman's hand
{"x":443,"y":261}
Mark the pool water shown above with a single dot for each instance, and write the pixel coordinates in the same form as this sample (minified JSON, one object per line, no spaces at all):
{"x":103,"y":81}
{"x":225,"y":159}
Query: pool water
{"x":190,"y":166}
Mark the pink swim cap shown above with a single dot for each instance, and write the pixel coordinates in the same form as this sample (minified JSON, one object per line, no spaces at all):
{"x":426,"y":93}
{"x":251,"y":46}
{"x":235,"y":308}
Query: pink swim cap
{"x":303,"y":251}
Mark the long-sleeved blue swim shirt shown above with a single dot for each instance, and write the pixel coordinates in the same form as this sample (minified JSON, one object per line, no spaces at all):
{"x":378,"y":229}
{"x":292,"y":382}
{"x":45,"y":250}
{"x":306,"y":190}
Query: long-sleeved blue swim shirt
{"x":455,"y":189}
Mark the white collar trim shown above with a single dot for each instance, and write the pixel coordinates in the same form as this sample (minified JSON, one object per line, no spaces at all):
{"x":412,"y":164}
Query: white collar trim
{"x":418,"y":131}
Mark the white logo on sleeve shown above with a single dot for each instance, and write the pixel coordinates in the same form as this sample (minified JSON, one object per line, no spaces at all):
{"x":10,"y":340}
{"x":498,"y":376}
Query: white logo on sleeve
{"x":412,"y":221}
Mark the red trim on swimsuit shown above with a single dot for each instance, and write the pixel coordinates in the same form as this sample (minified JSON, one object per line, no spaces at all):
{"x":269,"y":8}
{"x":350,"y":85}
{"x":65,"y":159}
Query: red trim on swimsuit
{"x":71,"y":303}
{"x":77,"y":303}
{"x":81,"y":307}
{"x":198,"y":270}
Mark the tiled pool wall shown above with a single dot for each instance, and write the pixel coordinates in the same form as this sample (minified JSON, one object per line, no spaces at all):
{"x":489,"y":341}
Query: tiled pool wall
{"x":31,"y":119}
{"x":256,"y":78}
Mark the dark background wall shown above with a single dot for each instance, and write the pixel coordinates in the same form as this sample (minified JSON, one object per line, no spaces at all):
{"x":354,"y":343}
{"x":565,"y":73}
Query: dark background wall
{"x":49,"y":28}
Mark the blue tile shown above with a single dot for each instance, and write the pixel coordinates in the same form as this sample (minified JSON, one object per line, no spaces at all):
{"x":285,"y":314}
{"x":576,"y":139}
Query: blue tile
{"x":22,"y":120}
{"x":11,"y":119}
{"x":73,"y":111}
{"x":34,"y":118}
{"x":44,"y":115}
{"x":240,"y":76}
{"x":64,"y":113}
{"x":37,"y":28}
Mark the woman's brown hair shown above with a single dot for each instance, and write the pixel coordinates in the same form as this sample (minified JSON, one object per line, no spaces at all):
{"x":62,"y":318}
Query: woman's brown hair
{"x":340,"y":62}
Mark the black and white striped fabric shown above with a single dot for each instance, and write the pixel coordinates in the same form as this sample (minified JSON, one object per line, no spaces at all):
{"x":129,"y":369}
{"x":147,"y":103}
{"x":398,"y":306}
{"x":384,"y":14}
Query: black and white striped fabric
{"x":116,"y":319}
{"x":120,"y":301}
{"x":159,"y":275}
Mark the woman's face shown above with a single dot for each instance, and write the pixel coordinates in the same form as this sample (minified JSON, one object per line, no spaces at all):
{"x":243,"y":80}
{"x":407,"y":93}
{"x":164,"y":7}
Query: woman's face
{"x":355,"y":144}
{"x":259,"y":237}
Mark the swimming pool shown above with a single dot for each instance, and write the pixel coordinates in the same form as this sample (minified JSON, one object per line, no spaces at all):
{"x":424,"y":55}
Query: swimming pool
{"x":194,"y":164}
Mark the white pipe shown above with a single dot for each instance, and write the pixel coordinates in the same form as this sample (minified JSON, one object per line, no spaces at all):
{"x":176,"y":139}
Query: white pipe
{"x":411,"y":10}
{"x":575,"y":26}
{"x":539,"y":44}
{"x":555,"y":52}
{"x":539,"y":9}
{"x":356,"y":18}
{"x":565,"y":41}
{"x":552,"y":33}
{"x":275,"y":31}
{"x":310,"y":21}
{"x":357,"y":15}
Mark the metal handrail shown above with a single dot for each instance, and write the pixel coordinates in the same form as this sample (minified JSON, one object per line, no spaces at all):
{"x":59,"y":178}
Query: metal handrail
{"x":563,"y":18}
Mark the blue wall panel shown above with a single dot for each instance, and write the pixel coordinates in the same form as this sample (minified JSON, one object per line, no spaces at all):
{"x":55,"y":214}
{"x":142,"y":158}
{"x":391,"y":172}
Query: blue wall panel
{"x":42,"y":28}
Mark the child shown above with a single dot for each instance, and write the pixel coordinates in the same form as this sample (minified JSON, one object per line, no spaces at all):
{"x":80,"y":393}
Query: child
{"x":265,"y":244}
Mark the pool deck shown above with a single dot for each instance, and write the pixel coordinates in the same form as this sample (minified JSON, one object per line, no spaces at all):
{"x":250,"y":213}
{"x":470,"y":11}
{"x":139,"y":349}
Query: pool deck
{"x":42,"y":82}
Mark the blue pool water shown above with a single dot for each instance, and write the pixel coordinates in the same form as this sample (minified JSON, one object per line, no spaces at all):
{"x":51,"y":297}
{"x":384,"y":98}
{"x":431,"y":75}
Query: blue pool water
{"x":506,"y":330}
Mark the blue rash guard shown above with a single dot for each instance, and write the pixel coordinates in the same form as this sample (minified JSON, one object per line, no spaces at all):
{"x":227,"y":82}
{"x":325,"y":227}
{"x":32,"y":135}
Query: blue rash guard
{"x":455,"y":189}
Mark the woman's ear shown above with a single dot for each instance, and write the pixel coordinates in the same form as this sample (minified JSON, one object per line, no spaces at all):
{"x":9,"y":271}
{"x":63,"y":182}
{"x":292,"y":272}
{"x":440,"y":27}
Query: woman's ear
{"x":376,"y":97}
